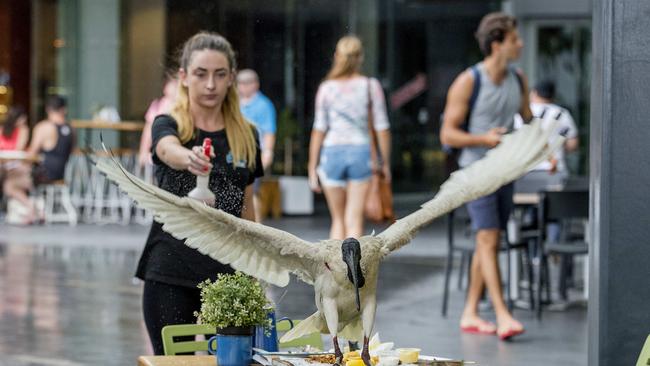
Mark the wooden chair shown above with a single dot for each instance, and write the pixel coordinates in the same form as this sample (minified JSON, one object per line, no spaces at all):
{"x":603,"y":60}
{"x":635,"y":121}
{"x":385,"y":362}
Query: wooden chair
{"x":172,"y":347}
{"x":270,"y":198}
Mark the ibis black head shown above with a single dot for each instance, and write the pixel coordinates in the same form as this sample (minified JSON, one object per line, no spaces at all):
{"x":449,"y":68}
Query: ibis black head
{"x":351,"y":253}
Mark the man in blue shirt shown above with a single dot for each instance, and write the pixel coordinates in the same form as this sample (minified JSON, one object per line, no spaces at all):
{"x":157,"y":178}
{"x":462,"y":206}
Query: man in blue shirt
{"x":258,"y":109}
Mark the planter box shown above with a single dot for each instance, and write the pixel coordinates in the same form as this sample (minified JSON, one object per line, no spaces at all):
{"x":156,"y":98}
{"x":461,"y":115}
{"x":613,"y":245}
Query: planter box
{"x":297,"y":198}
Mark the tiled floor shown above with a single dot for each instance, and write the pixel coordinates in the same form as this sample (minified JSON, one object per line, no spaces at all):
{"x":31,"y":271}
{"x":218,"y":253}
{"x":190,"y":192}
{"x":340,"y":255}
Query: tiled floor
{"x":67,"y":298}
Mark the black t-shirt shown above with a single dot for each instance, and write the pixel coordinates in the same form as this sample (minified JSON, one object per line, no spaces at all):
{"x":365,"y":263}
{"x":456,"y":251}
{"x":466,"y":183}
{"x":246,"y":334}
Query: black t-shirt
{"x":169,"y":260}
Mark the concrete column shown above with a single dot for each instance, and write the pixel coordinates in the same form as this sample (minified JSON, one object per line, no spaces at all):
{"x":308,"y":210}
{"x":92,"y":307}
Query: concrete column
{"x":619,"y":315}
{"x":89,"y":63}
{"x":99,"y":51}
{"x":67,"y":60}
{"x":366,"y":24}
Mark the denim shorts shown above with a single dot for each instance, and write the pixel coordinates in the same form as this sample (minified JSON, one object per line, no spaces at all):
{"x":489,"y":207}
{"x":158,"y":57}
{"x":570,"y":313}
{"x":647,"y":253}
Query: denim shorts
{"x":492,"y":211}
{"x":344,"y":163}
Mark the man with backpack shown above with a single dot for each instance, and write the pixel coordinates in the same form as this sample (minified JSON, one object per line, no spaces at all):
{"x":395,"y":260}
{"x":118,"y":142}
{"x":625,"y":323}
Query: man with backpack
{"x":480,"y":108}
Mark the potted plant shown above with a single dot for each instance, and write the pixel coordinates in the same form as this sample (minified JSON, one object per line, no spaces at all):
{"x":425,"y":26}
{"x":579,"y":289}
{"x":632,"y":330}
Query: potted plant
{"x":234,"y":304}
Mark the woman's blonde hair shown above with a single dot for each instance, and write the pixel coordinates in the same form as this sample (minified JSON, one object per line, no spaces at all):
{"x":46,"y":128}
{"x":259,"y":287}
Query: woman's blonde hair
{"x":347,"y":58}
{"x":239,"y":132}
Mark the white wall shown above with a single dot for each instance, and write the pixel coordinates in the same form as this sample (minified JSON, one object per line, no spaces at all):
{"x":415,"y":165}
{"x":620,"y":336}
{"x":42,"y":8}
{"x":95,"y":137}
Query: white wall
{"x":98,"y":34}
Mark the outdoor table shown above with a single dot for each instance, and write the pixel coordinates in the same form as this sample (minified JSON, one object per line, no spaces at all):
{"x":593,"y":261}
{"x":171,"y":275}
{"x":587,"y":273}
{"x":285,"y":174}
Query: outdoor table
{"x":206,"y":360}
{"x":525,"y":199}
{"x":128,"y":126}
{"x":18,"y":155}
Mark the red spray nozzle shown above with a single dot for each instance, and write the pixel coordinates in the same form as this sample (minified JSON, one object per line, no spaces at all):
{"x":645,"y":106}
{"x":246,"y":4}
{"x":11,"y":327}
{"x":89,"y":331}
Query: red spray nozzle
{"x":207,"y":146}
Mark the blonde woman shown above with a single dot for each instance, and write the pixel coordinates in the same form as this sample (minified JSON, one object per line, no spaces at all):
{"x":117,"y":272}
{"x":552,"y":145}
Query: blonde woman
{"x":340,"y":162}
{"x":206,"y":105}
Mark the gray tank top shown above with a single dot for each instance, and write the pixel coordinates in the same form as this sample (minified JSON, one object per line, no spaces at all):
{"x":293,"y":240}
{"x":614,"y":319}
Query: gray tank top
{"x":495,"y":106}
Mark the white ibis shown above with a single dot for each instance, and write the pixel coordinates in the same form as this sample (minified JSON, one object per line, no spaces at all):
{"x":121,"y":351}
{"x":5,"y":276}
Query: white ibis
{"x":343,"y":273}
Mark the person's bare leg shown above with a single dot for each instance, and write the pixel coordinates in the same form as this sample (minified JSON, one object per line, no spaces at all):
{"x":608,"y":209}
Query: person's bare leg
{"x":16,"y":186}
{"x":335,"y":197}
{"x":357,"y":193}
{"x":470,"y":317}
{"x":13,"y":190}
{"x":487,"y":252}
{"x":258,"y":207}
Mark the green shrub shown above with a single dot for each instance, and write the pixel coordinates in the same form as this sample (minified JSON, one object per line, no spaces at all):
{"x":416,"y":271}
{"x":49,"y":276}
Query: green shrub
{"x":233,"y":300}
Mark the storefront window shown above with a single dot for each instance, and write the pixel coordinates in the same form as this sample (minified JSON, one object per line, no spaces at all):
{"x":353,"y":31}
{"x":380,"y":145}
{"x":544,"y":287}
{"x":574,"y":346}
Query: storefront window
{"x":116,"y":53}
{"x":564,"y":56}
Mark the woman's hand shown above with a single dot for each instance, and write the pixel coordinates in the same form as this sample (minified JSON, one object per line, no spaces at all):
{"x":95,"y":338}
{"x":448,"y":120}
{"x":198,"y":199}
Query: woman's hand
{"x":197,"y":162}
{"x":553,"y":168}
{"x":315,"y":143}
{"x":145,"y":159}
{"x":313,"y":181}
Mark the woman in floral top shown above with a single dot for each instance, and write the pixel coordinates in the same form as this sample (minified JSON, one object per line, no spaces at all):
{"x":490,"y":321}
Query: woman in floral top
{"x":340,"y":147}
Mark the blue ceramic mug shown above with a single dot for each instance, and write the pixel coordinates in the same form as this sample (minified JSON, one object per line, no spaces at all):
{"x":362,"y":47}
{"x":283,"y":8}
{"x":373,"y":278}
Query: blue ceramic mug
{"x":268,"y":342}
{"x":231,"y":350}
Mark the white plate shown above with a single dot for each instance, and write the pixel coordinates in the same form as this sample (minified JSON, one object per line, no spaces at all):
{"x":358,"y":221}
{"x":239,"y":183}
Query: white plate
{"x":432,"y":358}
{"x":289,"y":353}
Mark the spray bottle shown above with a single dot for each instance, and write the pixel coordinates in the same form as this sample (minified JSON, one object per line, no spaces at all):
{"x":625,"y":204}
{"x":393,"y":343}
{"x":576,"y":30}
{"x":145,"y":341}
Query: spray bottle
{"x":202,"y":191}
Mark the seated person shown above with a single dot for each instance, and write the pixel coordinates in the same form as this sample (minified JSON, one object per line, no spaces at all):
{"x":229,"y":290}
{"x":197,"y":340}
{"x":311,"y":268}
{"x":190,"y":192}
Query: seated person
{"x":542,"y":97}
{"x":554,"y":172}
{"x":15,"y":132}
{"x":53,"y":139}
{"x":16,"y":179}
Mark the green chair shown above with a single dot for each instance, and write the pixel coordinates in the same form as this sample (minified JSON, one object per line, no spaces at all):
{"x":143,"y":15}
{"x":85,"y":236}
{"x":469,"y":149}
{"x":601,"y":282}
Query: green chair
{"x":172,"y":347}
{"x":644,"y":357}
{"x":313,"y":339}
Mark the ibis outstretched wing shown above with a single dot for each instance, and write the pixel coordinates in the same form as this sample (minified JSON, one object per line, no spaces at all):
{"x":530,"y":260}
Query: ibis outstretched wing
{"x":514,"y":156}
{"x":255,"y":249}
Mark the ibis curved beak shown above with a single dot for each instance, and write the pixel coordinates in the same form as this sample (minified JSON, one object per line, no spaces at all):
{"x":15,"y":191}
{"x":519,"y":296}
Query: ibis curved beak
{"x":351,"y":252}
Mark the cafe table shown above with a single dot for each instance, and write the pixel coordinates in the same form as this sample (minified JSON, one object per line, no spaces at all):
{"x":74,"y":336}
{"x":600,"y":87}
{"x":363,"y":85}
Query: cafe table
{"x":18,"y":155}
{"x":204,"y":360}
{"x":210,"y":360}
{"x":131,"y":130}
{"x":525,"y":199}
{"x":127,"y":126}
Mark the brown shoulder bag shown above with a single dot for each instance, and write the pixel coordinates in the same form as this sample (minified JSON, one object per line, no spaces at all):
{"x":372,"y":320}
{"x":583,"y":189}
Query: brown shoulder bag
{"x":379,"y":202}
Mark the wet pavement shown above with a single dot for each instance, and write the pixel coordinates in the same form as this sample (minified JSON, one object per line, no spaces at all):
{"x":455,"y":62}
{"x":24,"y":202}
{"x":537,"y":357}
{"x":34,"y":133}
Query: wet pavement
{"x":67,"y":298}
